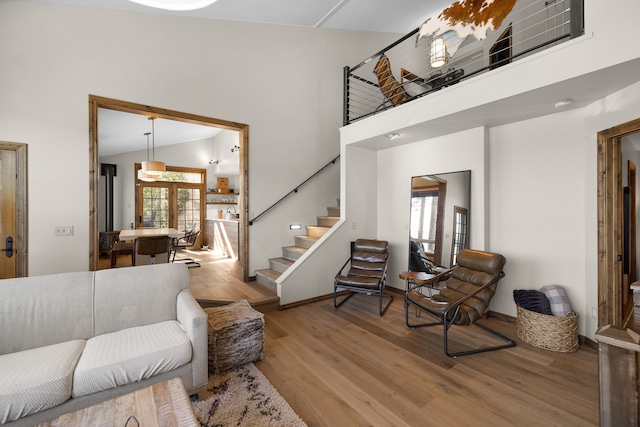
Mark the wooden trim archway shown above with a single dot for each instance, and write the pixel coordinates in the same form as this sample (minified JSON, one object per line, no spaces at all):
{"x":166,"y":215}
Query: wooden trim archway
{"x":610,"y":224}
{"x":96,"y":102}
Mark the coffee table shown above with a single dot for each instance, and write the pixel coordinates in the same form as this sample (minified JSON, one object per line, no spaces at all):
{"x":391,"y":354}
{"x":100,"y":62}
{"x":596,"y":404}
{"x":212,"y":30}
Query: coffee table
{"x":162,"y":404}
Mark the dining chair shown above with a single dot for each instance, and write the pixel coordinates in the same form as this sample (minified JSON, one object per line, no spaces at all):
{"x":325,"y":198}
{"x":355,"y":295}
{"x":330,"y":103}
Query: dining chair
{"x":155,"y":248}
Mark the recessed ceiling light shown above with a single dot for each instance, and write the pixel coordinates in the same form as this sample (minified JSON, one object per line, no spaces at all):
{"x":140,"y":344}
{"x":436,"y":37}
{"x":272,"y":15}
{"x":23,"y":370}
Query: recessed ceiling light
{"x":179,"y":5}
{"x":563,"y":103}
{"x":393,"y":135}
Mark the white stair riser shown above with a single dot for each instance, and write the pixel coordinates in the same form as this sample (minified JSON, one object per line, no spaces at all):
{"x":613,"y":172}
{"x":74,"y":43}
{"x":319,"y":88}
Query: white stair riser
{"x":288,"y":253}
{"x":280,"y":264}
{"x":263,"y":280}
{"x":304,"y":241}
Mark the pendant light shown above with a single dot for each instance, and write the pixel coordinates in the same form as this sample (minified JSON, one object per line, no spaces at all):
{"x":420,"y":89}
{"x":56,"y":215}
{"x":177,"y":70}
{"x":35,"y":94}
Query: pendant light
{"x":151,"y":167}
{"x":142,"y":175}
{"x":438,"y":55}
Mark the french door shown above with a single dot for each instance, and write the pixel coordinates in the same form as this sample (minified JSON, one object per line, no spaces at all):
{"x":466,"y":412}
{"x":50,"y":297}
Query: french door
{"x":176,"y":200}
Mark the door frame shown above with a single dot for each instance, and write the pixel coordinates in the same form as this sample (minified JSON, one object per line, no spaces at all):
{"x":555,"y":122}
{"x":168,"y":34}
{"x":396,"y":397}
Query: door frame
{"x":611,"y":224}
{"x":96,"y":102}
{"x":22,"y":217}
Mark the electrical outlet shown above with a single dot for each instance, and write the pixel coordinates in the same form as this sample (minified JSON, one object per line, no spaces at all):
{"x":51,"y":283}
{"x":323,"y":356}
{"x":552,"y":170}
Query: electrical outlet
{"x":63,"y":230}
{"x":354,"y":225}
{"x":594,"y":312}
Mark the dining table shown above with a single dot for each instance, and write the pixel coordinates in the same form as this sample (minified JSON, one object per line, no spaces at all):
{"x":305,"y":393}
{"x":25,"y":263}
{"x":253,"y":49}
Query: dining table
{"x":127,"y":235}
{"x":131,"y":236}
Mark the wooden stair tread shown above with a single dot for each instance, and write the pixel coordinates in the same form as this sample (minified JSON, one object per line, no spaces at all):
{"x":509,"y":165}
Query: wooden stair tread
{"x":298,"y":249}
{"x":316,"y":231}
{"x":269,"y":273}
{"x":283,"y":260}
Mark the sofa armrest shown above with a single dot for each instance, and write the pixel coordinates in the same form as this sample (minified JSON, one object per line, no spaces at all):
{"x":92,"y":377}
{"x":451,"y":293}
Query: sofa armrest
{"x":194,"y":321}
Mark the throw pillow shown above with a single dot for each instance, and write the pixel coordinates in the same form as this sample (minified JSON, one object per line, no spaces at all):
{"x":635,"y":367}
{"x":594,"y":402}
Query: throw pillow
{"x":532,"y":300}
{"x":560,"y":305}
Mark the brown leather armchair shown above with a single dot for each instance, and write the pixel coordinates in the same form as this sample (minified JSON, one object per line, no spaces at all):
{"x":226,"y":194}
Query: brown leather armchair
{"x":465,"y":298}
{"x":367,"y":273}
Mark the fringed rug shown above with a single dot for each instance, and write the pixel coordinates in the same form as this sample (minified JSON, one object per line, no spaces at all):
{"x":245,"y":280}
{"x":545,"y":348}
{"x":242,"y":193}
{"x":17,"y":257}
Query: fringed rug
{"x":244,"y":397}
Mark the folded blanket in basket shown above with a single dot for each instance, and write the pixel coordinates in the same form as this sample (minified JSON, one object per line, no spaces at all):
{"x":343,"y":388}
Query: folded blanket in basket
{"x":558,"y":299}
{"x":532,"y":300}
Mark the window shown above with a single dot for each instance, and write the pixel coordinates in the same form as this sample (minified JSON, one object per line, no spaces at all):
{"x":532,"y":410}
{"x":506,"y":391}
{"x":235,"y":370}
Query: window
{"x":424,"y":216}
{"x":188,"y":209}
{"x":175,"y":200}
{"x":155,"y":207}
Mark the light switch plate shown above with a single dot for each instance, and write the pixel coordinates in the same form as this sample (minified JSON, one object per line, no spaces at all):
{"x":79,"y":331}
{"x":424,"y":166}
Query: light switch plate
{"x":63,"y":230}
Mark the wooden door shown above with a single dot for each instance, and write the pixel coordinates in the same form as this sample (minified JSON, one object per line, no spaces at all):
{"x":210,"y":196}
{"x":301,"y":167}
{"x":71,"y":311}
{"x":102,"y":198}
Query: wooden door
{"x":631,"y":180}
{"x":8,"y":187}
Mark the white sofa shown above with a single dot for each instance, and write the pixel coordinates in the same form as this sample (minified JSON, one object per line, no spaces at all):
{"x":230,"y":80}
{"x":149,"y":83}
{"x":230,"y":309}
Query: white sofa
{"x":68,"y":341}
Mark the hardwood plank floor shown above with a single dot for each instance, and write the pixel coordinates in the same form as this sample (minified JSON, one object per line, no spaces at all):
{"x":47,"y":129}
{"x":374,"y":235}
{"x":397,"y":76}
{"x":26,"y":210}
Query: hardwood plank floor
{"x":351,"y":367}
{"x":217,"y":281}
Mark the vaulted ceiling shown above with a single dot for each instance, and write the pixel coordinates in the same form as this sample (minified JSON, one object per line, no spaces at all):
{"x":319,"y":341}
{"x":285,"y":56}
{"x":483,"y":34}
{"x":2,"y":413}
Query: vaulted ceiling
{"x":392,"y":16}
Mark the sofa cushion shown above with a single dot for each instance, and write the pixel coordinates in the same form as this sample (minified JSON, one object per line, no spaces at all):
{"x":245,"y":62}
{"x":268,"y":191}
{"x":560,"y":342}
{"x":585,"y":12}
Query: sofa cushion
{"x":121,"y":292}
{"x":558,"y":299}
{"x":130,"y":355}
{"x":37,"y":379}
{"x":37,"y":311}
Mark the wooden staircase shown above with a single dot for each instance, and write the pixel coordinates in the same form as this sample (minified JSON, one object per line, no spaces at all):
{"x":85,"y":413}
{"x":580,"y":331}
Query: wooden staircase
{"x":290,"y":254}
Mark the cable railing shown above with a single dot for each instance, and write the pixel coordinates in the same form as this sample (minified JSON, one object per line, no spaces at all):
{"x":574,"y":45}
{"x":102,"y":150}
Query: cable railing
{"x":295,"y":190}
{"x":403,"y":71}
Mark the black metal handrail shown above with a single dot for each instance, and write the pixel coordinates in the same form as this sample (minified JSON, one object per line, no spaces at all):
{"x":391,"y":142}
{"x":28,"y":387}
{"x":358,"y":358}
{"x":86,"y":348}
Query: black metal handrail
{"x":295,"y":190}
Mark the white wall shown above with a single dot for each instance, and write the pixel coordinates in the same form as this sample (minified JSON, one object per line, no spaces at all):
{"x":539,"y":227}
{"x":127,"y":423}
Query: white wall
{"x":284,"y":82}
{"x":194,"y":154}
{"x":536,"y":206}
{"x":461,"y":151}
{"x":540,"y":187}
{"x":613,"y":110}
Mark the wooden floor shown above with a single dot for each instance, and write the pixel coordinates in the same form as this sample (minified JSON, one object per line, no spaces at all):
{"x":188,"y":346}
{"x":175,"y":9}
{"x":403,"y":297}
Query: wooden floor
{"x":351,"y":367}
{"x":217,"y":281}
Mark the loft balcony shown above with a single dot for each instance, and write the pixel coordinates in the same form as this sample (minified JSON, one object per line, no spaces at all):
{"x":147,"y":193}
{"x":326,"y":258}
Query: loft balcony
{"x":425,"y":61}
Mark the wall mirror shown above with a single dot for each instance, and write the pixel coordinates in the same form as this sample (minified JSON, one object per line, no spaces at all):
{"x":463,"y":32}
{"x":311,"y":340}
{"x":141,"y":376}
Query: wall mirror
{"x":439,"y":222}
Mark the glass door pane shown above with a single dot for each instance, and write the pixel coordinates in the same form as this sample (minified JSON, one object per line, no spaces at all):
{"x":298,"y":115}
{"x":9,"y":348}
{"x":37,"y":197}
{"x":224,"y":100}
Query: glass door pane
{"x":460,"y":231}
{"x":155,"y":207}
{"x":188,"y":209}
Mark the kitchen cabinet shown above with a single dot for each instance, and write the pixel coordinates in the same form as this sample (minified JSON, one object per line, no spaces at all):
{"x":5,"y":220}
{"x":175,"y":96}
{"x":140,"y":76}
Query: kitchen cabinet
{"x":223,"y":236}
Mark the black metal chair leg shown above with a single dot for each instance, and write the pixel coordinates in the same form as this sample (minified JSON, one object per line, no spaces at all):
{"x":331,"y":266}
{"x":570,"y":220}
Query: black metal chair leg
{"x":509,"y":343}
{"x":388,"y":304}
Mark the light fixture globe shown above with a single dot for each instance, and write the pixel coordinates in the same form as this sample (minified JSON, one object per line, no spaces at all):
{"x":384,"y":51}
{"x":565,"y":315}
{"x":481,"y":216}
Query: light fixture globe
{"x":438,"y":55}
{"x":177,"y":5}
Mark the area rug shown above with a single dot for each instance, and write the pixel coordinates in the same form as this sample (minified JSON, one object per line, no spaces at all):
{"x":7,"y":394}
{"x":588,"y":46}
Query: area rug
{"x":244,"y":397}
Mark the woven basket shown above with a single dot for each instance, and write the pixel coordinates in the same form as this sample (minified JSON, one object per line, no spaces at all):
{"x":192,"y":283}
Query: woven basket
{"x":553,"y":333}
